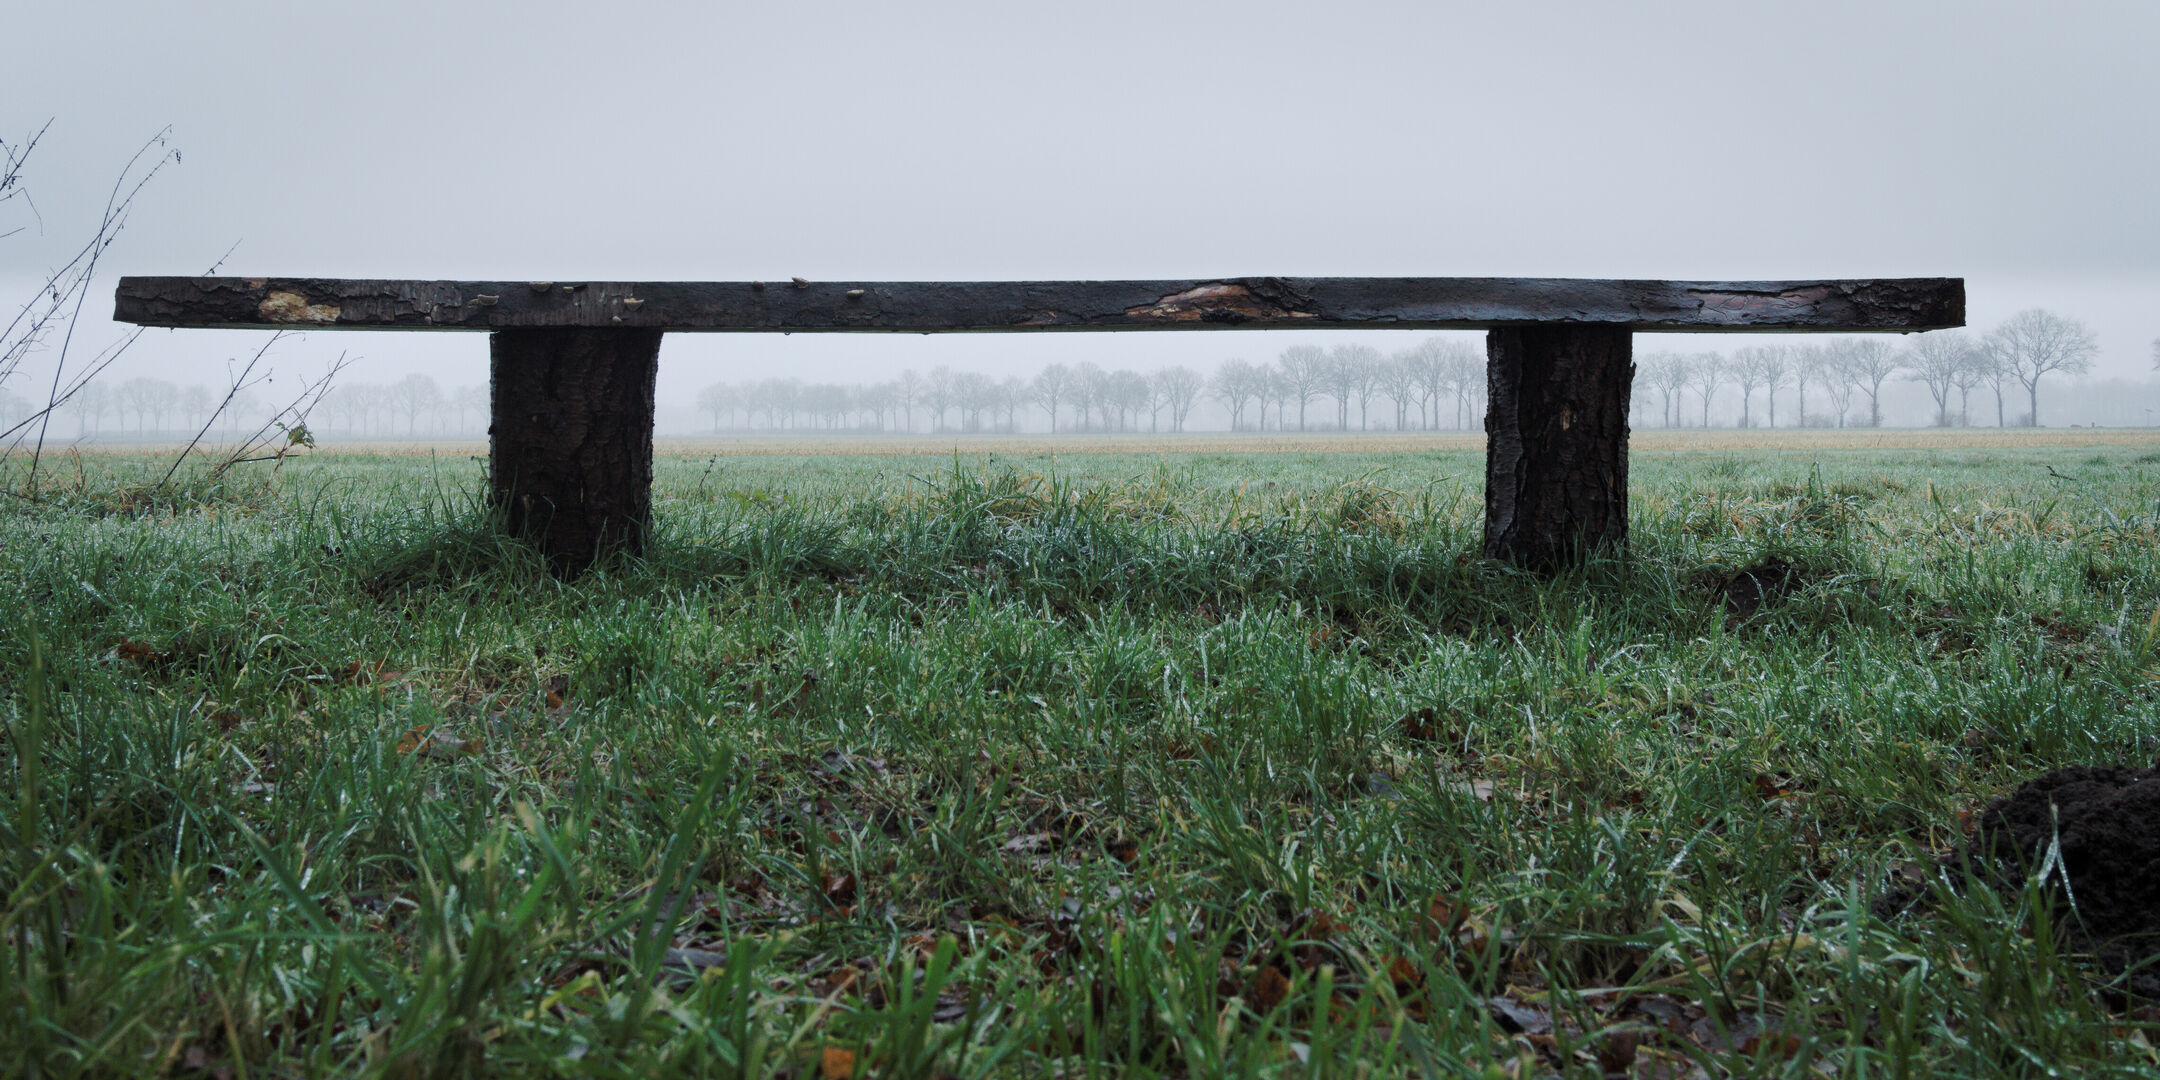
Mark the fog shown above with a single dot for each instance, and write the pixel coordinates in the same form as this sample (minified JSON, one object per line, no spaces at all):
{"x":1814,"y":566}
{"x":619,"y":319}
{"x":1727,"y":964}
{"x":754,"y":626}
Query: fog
{"x":2010,"y":144}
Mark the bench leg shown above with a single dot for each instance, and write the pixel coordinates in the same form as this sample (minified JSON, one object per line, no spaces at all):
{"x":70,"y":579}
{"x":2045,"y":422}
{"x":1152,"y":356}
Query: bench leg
{"x":570,"y":439}
{"x":1556,"y":438}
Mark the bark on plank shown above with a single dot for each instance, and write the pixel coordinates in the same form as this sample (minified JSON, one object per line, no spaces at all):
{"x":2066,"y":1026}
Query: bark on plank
{"x":1892,"y":304}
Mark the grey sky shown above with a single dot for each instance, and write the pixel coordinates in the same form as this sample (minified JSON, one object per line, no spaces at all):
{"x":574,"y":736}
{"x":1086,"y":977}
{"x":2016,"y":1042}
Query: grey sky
{"x":2012,"y":144}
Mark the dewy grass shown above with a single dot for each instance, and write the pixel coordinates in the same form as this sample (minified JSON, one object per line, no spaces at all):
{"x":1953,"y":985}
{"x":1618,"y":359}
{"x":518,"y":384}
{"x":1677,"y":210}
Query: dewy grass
{"x":1061,"y":764}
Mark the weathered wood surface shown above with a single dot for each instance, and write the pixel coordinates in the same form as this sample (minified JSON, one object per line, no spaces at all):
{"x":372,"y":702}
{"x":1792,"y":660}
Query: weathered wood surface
{"x":1891,"y":304}
{"x":1556,"y":438}
{"x":570,"y":439}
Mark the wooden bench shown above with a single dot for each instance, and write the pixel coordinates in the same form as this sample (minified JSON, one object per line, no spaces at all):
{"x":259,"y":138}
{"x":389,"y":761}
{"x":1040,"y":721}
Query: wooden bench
{"x":573,"y":362}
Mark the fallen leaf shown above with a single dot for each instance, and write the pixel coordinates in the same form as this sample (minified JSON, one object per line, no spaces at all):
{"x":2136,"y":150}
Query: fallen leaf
{"x":1616,"y":1051}
{"x":1516,"y":1017}
{"x":1125,"y":850}
{"x":1405,"y":976}
{"x":837,"y":1064}
{"x":140,"y":653}
{"x":839,"y":889}
{"x":436,"y":745}
{"x":1423,"y":725}
{"x":1445,"y":915}
{"x":1269,"y":987}
{"x":1777,"y":1044}
{"x":1029,"y":844}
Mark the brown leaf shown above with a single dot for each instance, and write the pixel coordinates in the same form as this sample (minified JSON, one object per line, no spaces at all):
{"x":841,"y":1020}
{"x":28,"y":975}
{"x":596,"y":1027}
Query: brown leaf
{"x":1772,"y":1043}
{"x":140,"y":653}
{"x":1125,"y":850}
{"x":1405,"y":975}
{"x":226,"y":719}
{"x":1269,"y":987}
{"x":1423,"y":725}
{"x":1319,"y":927}
{"x":839,"y":889}
{"x":1445,"y":916}
{"x":837,"y":1064}
{"x":1616,"y":1051}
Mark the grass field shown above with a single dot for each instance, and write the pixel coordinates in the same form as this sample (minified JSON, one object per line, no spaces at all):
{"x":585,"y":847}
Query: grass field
{"x":1050,"y":758}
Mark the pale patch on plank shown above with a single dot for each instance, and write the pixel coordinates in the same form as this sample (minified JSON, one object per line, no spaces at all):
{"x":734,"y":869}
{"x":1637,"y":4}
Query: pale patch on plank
{"x":291,"y":307}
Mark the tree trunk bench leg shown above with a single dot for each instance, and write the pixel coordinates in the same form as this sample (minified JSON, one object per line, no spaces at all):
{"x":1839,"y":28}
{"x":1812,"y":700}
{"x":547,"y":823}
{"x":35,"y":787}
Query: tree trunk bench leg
{"x":1556,"y":439}
{"x":570,"y":439}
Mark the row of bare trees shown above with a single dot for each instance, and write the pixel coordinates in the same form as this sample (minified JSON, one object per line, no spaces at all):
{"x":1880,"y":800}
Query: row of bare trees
{"x":1437,"y":383}
{"x":1433,"y":384}
{"x":144,"y":406}
{"x":2012,"y":357}
{"x":412,"y":406}
{"x":1079,"y":397}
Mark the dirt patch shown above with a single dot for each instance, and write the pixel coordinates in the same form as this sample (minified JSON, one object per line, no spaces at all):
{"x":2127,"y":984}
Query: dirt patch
{"x":1748,"y":591}
{"x":2095,"y":833}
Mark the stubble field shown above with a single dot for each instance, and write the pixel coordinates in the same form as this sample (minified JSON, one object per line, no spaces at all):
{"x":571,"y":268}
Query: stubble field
{"x":1058,"y":758}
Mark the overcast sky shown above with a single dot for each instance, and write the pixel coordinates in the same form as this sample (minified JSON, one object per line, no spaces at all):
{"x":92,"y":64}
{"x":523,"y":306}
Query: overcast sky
{"x":2011,"y":144}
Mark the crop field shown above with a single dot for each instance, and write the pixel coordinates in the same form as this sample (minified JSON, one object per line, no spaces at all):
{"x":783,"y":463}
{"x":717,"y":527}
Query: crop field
{"x":1058,"y":758}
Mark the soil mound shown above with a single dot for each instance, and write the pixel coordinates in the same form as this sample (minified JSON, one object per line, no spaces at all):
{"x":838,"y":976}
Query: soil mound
{"x":1752,"y":589}
{"x":2107,"y":883}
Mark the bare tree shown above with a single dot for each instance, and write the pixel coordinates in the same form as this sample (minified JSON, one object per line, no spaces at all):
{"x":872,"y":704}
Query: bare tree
{"x":1277,"y":391}
{"x":2033,"y":343}
{"x":1299,"y":372}
{"x":91,"y":405}
{"x":1708,"y":372}
{"x":1051,"y":385}
{"x":1759,"y":366}
{"x":194,"y":403}
{"x":1398,"y":380}
{"x":1936,"y":361}
{"x":1747,"y":375}
{"x":907,"y":392}
{"x":1359,"y":367}
{"x":1178,"y":387}
{"x":416,"y":395}
{"x":1774,"y":363}
{"x":971,"y":391}
{"x":939,"y":393}
{"x":1829,"y":370}
{"x":1872,"y":362}
{"x":1235,"y":383}
{"x":1670,"y":375}
{"x":1013,"y":392}
{"x":1466,"y":376}
{"x":713,"y":400}
{"x":1091,"y":390}
{"x":1971,"y":373}
{"x":1429,"y":375}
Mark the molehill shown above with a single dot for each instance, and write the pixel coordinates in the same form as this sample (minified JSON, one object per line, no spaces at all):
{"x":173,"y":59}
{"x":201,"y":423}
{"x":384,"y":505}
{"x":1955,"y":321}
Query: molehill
{"x":2106,"y":886}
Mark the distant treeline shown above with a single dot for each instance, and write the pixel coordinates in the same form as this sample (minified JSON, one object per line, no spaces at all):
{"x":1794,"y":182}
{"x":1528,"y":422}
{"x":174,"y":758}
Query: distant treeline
{"x":1992,"y":379}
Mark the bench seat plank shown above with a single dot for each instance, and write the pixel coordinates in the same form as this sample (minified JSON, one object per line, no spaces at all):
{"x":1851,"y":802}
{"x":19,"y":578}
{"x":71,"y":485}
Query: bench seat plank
{"x":1888,"y":304}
